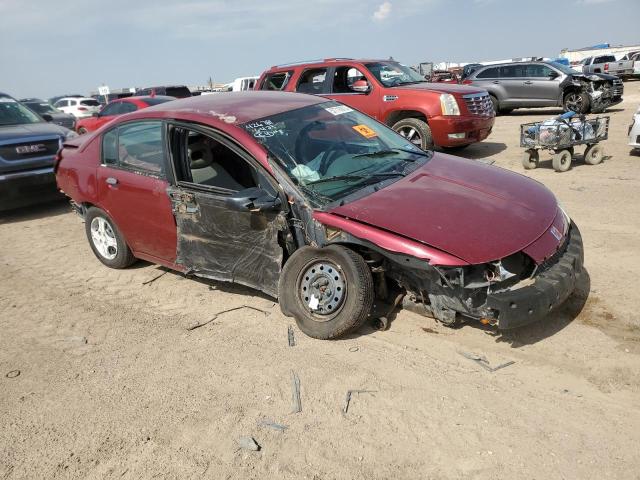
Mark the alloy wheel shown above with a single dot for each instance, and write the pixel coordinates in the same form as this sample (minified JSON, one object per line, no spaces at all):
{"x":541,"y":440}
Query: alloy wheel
{"x":103,"y":237}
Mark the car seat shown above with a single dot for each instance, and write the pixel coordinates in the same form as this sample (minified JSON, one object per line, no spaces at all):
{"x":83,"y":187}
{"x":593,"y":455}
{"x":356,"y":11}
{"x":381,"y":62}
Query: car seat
{"x":204,"y":169}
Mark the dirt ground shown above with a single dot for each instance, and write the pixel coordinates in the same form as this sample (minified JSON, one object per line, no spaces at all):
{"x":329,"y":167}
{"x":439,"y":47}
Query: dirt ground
{"x":100,"y":378}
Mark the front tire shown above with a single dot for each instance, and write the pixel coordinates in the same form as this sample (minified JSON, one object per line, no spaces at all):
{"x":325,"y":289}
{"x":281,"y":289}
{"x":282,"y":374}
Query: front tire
{"x":562,"y":161}
{"x":593,"y":154}
{"x":329,"y":291}
{"x":578,"y":102}
{"x":106,"y":241}
{"x":415,"y":131}
{"x":530,"y":159}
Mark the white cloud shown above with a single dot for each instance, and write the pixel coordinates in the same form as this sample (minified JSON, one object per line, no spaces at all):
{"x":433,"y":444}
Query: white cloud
{"x":383,"y":11}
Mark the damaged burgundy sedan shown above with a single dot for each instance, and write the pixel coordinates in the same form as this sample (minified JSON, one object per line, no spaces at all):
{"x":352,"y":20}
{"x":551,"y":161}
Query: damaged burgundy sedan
{"x":322,"y":207}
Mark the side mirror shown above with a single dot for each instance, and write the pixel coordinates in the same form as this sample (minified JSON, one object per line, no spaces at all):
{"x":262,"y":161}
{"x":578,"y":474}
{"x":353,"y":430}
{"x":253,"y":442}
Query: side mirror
{"x":95,"y":114}
{"x":361,"y":86}
{"x":46,"y":117}
{"x":553,"y":75}
{"x":253,"y":199}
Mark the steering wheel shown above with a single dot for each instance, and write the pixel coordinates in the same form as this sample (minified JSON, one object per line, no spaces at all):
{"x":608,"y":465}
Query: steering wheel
{"x":327,"y":156}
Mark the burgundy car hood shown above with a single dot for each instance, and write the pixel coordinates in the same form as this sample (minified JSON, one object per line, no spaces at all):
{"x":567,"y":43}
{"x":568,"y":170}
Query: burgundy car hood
{"x":441,"y":88}
{"x":474,"y":211}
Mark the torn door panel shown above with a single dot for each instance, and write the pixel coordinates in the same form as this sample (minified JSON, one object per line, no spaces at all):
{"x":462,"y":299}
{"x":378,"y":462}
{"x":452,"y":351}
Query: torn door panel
{"x":221,"y":244}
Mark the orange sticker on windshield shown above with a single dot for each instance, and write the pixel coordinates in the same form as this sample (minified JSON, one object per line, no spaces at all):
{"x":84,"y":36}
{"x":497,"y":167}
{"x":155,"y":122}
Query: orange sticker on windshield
{"x":365,"y":131}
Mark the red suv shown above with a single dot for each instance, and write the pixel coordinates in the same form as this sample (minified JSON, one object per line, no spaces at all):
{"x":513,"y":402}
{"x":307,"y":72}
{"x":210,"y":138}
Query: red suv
{"x":427,"y":114}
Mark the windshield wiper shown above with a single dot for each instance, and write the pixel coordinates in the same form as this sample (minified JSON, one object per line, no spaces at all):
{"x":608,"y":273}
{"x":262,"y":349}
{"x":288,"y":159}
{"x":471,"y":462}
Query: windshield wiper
{"x":356,"y":177}
{"x":384,"y":153}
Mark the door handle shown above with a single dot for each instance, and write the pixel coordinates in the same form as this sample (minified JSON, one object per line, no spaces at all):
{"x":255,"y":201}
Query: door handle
{"x":528,"y":82}
{"x":111,"y":181}
{"x":496,"y":81}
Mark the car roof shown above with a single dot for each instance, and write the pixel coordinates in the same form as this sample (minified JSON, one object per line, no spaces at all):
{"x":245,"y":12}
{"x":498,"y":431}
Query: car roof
{"x":142,"y":98}
{"x":32,"y":100}
{"x":243,"y":106}
{"x":326,"y":61}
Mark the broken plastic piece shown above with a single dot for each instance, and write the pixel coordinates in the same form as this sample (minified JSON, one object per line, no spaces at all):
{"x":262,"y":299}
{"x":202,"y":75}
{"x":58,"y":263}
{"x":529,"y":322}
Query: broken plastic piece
{"x":248,"y":443}
{"x":295,"y":393}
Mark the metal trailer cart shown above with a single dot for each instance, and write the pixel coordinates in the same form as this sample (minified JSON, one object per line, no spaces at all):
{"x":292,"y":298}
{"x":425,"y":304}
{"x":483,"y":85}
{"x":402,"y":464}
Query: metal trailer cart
{"x":561,"y":134}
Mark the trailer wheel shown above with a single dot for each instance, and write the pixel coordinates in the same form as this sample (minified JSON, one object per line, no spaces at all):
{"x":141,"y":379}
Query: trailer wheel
{"x":562,"y":161}
{"x":530,"y":159}
{"x":593,"y":154}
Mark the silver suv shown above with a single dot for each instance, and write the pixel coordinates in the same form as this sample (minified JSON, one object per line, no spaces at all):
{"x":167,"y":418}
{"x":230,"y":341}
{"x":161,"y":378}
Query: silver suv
{"x":545,"y":84}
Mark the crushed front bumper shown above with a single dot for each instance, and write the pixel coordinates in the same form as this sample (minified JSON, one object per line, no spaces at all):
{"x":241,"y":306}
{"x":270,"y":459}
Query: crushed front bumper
{"x":550,"y":288}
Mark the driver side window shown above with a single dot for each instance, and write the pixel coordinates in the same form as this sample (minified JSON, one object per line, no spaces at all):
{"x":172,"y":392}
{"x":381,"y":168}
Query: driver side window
{"x":345,"y":77}
{"x":206,"y":161}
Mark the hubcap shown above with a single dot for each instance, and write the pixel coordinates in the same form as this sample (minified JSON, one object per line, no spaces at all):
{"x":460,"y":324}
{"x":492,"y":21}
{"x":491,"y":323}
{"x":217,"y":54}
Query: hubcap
{"x":412,"y":135}
{"x":322,"y":288}
{"x":574,"y":102}
{"x":103,"y":238}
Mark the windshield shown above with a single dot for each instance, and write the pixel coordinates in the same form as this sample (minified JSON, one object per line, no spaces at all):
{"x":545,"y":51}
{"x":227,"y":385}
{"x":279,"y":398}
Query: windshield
{"x":14,"y":113}
{"x":330,"y":150}
{"x":391,"y":74}
{"x":41,"y":108}
{"x":564,"y":69}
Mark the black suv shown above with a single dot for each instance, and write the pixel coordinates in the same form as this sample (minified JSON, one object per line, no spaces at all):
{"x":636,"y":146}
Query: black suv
{"x":177,"y":91}
{"x":545,"y":84}
{"x":49,"y":113}
{"x":28,"y":146}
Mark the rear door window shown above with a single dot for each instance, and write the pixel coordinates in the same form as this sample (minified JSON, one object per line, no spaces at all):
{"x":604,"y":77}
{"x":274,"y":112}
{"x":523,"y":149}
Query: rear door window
{"x":137,"y":146}
{"x":313,"y":81}
{"x":178,"y":92}
{"x":90,"y":103}
{"x":276,"y":81}
{"x":493,"y":72}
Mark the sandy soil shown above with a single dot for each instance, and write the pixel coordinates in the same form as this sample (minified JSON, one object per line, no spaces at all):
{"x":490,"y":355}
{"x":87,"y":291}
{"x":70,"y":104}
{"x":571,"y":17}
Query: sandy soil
{"x":111,"y":383}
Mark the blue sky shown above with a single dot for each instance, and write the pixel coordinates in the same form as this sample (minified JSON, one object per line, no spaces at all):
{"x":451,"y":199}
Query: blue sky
{"x":50,"y":47}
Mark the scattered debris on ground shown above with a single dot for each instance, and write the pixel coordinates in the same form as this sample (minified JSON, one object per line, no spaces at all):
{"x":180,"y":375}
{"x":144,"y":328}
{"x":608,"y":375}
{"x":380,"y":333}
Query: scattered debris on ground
{"x":13,"y":374}
{"x":295,"y":393}
{"x":291,"y":337}
{"x":347,"y":399}
{"x":216,"y":315}
{"x":354,"y":349}
{"x":149,"y":282}
{"x":484,"y":363}
{"x":248,"y":443}
{"x":273,"y":425}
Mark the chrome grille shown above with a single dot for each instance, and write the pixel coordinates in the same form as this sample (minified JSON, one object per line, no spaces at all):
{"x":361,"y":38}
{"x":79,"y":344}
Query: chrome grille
{"x":479,"y":104}
{"x":618,"y":87}
{"x":27,"y":150}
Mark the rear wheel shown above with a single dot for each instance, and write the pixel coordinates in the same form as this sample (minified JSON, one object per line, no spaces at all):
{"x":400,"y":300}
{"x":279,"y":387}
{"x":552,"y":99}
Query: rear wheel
{"x":576,"y":102}
{"x":593,"y":154}
{"x":530,"y":159}
{"x":415,"y":131}
{"x":562,"y":161}
{"x":106,"y":241}
{"x":329,"y":291}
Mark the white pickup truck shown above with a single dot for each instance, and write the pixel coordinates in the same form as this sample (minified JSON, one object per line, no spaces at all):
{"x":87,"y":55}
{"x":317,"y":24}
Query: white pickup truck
{"x":607,"y":64}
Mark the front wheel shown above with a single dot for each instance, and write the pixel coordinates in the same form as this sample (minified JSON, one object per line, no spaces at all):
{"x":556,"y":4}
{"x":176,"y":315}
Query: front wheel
{"x":415,"y":131}
{"x":106,"y":241}
{"x":562,"y":161}
{"x":578,"y":102}
{"x":593,"y":154}
{"x":530,"y":159}
{"x":329,"y":291}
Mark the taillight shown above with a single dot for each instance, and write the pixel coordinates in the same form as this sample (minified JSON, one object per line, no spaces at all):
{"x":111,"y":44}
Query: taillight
{"x":82,"y":109}
{"x":467,"y":82}
{"x":606,"y":67}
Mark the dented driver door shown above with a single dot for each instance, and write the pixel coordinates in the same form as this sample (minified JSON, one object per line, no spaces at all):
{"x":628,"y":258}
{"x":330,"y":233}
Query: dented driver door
{"x":227,"y":244}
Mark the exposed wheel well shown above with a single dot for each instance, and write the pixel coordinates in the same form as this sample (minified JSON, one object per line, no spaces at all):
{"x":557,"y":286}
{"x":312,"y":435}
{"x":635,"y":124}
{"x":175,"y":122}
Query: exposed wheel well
{"x":395,"y":117}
